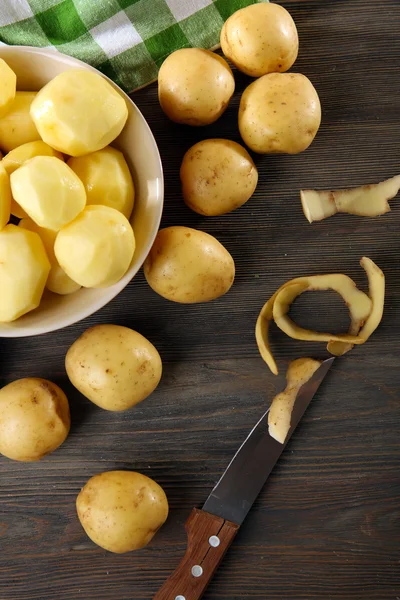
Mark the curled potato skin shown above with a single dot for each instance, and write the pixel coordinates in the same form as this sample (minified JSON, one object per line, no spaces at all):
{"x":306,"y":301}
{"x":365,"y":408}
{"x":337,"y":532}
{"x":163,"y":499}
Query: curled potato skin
{"x":376,"y":282}
{"x":360,"y":306}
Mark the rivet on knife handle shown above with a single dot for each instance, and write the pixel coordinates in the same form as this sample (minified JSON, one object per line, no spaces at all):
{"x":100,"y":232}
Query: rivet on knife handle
{"x":209,"y":537}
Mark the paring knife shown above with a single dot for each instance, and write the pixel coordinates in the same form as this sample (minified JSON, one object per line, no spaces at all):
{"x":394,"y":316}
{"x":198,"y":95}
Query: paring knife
{"x":211,"y":530}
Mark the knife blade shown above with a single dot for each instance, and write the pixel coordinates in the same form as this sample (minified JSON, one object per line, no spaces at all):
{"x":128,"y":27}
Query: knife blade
{"x":239,"y":486}
{"x":211,"y":530}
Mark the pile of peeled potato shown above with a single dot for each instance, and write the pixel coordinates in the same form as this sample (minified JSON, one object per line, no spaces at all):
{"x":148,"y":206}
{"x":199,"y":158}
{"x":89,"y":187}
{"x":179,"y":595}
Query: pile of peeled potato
{"x":66,"y":196}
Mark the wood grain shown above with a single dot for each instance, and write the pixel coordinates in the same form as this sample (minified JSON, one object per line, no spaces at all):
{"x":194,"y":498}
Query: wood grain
{"x":200,"y":528}
{"x":327,"y":524}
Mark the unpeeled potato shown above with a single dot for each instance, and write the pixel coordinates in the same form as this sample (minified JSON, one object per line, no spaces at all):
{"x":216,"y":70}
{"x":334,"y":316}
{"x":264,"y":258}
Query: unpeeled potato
{"x":260,"y":38}
{"x":217,"y":176}
{"x":34,"y":418}
{"x":279,"y":113}
{"x":79,"y":112}
{"x":16,"y":126}
{"x":187,"y":265}
{"x":195,"y":86}
{"x":107,"y":179}
{"x":24,"y":268}
{"x":57,"y":280}
{"x":121,"y":510}
{"x":115,"y":367}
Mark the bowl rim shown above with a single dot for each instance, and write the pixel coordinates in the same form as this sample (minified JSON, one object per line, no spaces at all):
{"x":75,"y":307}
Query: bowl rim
{"x":71,"y":319}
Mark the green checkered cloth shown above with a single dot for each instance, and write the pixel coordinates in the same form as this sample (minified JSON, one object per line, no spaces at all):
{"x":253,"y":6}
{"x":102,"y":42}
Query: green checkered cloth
{"x":125,"y":39}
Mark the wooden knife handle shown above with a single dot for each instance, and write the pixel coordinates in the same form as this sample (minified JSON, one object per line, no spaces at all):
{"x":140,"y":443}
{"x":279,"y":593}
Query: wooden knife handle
{"x":209,"y":537}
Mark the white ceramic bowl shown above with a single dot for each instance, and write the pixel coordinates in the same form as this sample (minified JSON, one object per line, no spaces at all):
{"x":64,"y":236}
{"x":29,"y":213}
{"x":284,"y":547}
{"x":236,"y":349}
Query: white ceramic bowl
{"x":34,"y":68}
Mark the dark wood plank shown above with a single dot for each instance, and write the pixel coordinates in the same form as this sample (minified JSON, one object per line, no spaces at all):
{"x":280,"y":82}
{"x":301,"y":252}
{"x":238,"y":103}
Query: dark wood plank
{"x":327,"y":523}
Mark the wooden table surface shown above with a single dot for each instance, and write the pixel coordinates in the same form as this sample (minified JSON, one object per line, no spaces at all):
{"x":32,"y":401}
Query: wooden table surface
{"x":326,"y":525}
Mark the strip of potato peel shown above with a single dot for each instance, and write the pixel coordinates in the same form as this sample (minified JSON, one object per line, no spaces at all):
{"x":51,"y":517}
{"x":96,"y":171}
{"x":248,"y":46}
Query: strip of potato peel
{"x":281,"y":307}
{"x":365,"y":201}
{"x":365,"y":327}
{"x":279,"y":417}
{"x":376,"y":283}
{"x":358,"y":302}
{"x":262,"y":328}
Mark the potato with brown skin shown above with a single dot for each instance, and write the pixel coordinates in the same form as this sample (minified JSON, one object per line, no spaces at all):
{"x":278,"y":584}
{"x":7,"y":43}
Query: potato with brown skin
{"x":279,"y":113}
{"x":217,"y":177}
{"x":114,"y":366}
{"x":195,"y":86}
{"x":34,"y":418}
{"x":187,"y":265}
{"x":260,"y":38}
{"x":121,"y":510}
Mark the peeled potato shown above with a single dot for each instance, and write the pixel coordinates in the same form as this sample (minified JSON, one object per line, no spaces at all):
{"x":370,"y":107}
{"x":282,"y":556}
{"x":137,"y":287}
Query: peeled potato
{"x":107,"y":179}
{"x":195,"y":86}
{"x":17,"y":127}
{"x":79,"y":112}
{"x":187,"y":265}
{"x":121,"y":510}
{"x":16,"y":158}
{"x":34,"y":418}
{"x":24,"y":268}
{"x":279,"y":113}
{"x":5,"y":197}
{"x":260,"y":38}
{"x":217,"y":176}
{"x":17,"y":211}
{"x":57,"y":281}
{"x":49,"y":191}
{"x":8,"y":87}
{"x":96,"y":249}
{"x":115,"y":367}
